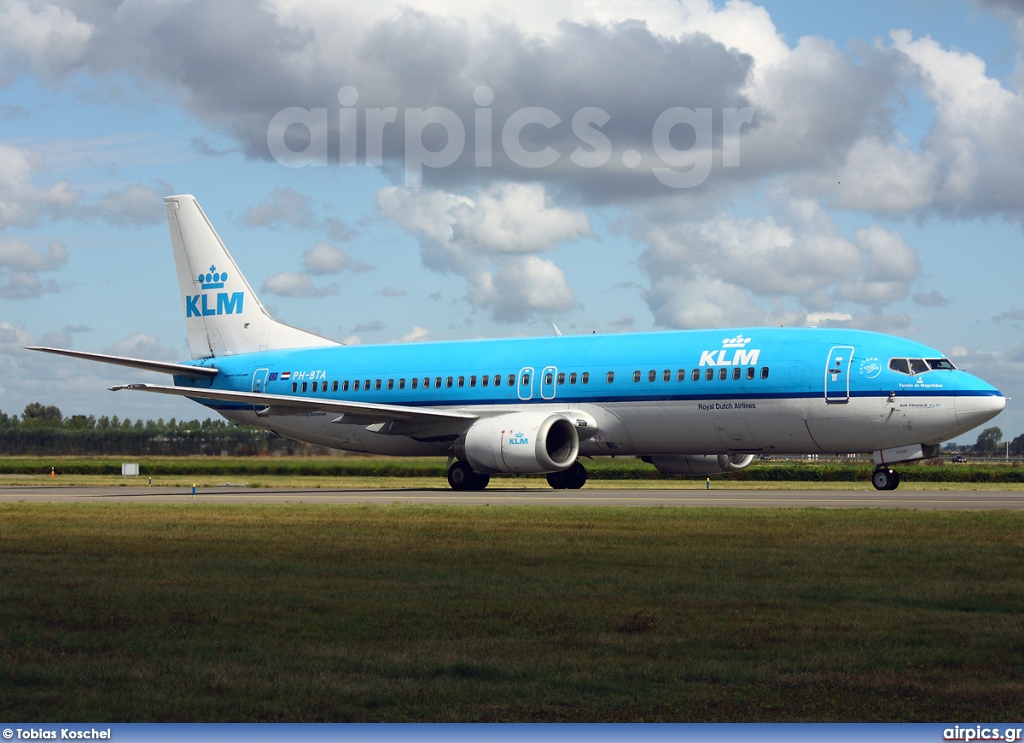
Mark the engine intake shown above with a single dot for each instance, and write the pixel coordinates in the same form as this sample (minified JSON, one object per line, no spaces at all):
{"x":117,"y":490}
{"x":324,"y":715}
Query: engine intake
{"x":700,"y":464}
{"x":522,"y":443}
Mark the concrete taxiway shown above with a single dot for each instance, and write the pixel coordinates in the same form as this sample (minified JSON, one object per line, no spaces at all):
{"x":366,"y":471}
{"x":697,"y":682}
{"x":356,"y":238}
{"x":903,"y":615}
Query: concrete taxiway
{"x":972,"y":500}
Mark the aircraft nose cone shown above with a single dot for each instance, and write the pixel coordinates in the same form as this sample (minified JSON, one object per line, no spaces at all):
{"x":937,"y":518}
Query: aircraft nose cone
{"x":977,"y":403}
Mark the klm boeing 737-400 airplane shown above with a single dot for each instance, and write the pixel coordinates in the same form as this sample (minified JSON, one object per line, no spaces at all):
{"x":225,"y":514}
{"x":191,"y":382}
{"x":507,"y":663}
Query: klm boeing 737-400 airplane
{"x":687,"y":402}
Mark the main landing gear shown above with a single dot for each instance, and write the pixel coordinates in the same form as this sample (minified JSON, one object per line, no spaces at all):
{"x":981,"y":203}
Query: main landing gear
{"x":573,"y":478}
{"x":462,"y":477}
{"x":885,"y":478}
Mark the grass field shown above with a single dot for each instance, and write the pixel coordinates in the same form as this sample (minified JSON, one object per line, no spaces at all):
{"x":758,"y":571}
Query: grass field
{"x":290,"y":612}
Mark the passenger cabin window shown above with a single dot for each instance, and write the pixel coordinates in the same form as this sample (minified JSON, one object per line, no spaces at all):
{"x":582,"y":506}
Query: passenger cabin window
{"x":376,"y":385}
{"x":636,"y":376}
{"x":723,"y":374}
{"x":304,"y":386}
{"x":462,"y":381}
{"x":525,"y":381}
{"x":401,"y":383}
{"x":572,"y":378}
{"x":549,"y":378}
{"x":585,"y":378}
{"x":414,"y":381}
{"x":610,"y":377}
{"x":497,"y":380}
{"x":709,"y":374}
{"x":472,"y":381}
{"x":736,"y":373}
{"x":681,"y":375}
{"x":344,"y":386}
{"x":695,"y":376}
{"x":484,"y":380}
{"x":334,"y":386}
{"x":764,"y":372}
{"x":511,"y":380}
{"x":561,"y":377}
{"x":666,"y":376}
{"x":652,"y":375}
{"x":448,"y":382}
{"x":391,"y":384}
{"x":750,"y":372}
{"x":295,"y":386}
{"x":437,"y":382}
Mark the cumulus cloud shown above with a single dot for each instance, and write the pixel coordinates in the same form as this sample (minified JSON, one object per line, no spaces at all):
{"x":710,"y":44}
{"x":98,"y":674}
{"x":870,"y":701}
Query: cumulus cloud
{"x":491,"y":240}
{"x":134,"y":205}
{"x":21,"y":201}
{"x":142,"y":346}
{"x":323,"y":258}
{"x":50,"y":39}
{"x":931,"y":299}
{"x":20,"y":262}
{"x":416,"y":334}
{"x":291,"y":284}
{"x":285,"y":206}
{"x":729,"y":270}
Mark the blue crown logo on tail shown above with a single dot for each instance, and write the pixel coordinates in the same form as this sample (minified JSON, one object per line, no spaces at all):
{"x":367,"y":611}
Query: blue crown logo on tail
{"x":212,"y":280}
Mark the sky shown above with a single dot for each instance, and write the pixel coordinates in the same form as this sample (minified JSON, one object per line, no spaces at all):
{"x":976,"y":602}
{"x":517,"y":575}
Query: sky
{"x":387,"y":172}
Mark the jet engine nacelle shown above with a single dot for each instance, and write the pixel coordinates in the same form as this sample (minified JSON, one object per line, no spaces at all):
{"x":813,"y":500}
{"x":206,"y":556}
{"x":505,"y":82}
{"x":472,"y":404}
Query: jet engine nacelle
{"x":700,"y":464}
{"x":521,"y":443}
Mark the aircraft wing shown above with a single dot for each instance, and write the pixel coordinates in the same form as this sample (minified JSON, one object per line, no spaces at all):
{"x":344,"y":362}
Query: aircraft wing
{"x":397,"y":419}
{"x":164,"y":367}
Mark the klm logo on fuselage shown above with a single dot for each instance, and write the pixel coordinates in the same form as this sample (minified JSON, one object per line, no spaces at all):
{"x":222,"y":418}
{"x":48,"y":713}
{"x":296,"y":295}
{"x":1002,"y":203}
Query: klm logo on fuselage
{"x":733,"y":353}
{"x":518,"y":439}
{"x":221,"y":303}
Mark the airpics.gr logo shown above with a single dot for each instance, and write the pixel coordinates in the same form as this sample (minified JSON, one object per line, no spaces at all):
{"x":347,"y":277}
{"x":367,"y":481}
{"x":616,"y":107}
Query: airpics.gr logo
{"x":199,"y":305}
{"x":740,"y":356}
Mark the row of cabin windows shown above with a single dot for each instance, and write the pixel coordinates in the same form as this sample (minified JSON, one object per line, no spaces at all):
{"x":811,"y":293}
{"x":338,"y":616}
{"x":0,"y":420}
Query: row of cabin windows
{"x":709,"y":374}
{"x":486,"y":380}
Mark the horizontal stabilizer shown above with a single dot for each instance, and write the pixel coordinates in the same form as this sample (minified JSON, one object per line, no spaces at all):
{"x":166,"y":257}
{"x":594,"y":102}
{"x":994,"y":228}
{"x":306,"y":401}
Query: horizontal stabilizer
{"x":164,"y":367}
{"x":364,"y":412}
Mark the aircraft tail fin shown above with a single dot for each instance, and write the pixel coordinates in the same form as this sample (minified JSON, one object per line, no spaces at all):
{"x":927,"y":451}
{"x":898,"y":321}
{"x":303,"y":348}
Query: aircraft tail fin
{"x":222,"y":313}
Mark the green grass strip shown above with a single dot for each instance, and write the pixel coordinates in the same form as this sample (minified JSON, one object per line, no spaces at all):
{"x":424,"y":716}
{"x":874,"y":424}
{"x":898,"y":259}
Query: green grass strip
{"x":291,"y":612}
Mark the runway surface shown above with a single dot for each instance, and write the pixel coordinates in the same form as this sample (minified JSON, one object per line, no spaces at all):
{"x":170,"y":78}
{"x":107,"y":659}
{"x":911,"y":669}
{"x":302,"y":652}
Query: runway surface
{"x":972,"y":500}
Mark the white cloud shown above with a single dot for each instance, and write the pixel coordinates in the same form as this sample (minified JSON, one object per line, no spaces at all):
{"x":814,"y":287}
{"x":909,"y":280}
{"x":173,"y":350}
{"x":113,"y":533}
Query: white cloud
{"x":21,"y":202}
{"x":723,"y":270}
{"x":51,"y":39}
{"x":285,"y":206}
{"x":143,"y":346}
{"x":521,"y":288}
{"x":135,"y":204}
{"x":415,"y":335}
{"x":515,"y":218}
{"x":21,"y":256}
{"x":491,"y":241}
{"x":291,"y":284}
{"x":323,"y":259}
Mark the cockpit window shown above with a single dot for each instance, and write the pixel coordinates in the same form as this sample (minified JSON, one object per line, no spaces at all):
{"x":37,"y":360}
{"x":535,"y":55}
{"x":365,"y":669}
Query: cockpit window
{"x":913,"y":367}
{"x":899,"y":365}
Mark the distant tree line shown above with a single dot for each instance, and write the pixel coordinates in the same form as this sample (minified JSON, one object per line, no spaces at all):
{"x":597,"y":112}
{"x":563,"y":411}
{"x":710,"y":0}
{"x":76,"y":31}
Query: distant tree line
{"x":43,"y":430}
{"x":990,"y":443}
